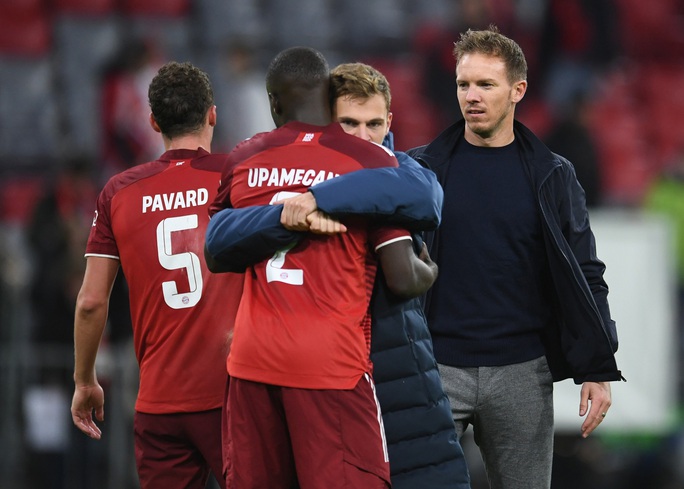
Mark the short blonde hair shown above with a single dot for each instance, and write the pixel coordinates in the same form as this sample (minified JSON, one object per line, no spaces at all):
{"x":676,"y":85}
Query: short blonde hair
{"x":359,"y":80}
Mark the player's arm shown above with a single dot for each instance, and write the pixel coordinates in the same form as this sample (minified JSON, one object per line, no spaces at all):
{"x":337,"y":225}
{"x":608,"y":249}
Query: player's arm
{"x":90,"y":318}
{"x":407,"y":274}
{"x":238,"y":238}
{"x":408,"y":195}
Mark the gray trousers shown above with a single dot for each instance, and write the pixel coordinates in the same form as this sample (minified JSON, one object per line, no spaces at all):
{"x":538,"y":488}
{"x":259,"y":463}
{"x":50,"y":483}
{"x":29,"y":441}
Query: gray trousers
{"x":511,"y":410}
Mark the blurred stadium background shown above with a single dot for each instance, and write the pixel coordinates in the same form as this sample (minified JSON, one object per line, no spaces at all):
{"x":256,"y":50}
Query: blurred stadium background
{"x":606,"y":90}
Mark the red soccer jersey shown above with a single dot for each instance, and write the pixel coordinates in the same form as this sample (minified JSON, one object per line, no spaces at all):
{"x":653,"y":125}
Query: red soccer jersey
{"x":153,"y":217}
{"x":302,"y":320}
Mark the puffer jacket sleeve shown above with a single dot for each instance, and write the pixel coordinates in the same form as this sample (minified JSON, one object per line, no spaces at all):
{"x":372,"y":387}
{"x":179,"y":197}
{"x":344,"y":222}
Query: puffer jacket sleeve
{"x":238,"y":238}
{"x":408,"y":196}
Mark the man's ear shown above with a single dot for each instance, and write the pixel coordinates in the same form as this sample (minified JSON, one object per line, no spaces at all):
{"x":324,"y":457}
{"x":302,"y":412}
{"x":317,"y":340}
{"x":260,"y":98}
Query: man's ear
{"x":211,"y":115}
{"x":153,"y":123}
{"x":519,"y":89}
{"x":274,"y":101}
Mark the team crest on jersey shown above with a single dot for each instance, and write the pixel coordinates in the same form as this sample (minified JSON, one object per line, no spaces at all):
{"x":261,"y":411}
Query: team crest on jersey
{"x":95,"y":218}
{"x":308,"y":137}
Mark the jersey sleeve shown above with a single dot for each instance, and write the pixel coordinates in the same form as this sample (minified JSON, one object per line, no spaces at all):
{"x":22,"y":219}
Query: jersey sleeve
{"x":385,"y":235}
{"x":101,"y":241}
{"x":222,"y":199}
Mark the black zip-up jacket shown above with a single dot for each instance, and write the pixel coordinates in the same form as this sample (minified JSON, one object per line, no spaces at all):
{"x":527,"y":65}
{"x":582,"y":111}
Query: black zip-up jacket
{"x":583,"y":339}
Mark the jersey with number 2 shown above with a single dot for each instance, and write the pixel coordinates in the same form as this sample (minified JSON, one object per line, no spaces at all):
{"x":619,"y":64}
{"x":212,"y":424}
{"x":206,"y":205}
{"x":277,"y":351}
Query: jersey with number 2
{"x":302,"y":321}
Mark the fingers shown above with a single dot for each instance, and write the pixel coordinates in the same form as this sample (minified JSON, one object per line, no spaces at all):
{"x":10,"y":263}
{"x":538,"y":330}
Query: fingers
{"x":85,"y":400}
{"x":592,"y":421}
{"x":99,"y":413}
{"x":320,"y":223}
{"x":295,"y":211}
{"x":584,"y":401}
{"x":599,"y":395}
{"x":86,"y":424}
{"x":423,"y":252}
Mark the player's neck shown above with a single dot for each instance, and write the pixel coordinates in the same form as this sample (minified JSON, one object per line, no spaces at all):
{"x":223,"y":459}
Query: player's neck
{"x":192,"y":142}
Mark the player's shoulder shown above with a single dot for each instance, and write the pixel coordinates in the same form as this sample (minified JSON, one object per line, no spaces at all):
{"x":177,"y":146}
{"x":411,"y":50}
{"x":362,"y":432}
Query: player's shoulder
{"x":248,"y":148}
{"x":134,"y":174}
{"x":368,"y":153}
{"x":385,"y":149}
{"x":213,"y":162}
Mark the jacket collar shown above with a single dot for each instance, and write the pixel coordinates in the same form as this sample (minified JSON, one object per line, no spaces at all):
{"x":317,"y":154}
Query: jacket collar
{"x":438,"y":153}
{"x":388,"y":142}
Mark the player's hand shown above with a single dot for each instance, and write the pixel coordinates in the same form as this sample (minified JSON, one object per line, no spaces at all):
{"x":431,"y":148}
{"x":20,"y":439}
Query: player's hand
{"x":296,"y":210}
{"x":598,"y":393}
{"x":86,"y":399}
{"x":424,"y":256}
{"x":321,"y":223}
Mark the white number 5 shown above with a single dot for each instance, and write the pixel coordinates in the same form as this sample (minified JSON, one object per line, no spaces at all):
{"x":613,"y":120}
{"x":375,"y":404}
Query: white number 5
{"x":187,"y":259}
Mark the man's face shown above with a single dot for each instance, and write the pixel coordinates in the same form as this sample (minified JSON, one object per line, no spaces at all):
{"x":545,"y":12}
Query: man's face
{"x":366,"y":118}
{"x":487,"y":99}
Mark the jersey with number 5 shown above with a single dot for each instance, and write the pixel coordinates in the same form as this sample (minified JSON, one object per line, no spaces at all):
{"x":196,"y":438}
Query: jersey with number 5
{"x":153,"y":218}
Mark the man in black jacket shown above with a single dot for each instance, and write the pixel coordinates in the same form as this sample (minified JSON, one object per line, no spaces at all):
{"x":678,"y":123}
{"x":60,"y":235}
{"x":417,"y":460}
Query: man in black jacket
{"x":520,"y":301}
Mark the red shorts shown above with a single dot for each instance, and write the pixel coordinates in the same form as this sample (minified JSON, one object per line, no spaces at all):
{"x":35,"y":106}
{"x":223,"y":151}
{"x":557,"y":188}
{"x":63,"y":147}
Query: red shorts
{"x":178,"y":450}
{"x":277,"y":436}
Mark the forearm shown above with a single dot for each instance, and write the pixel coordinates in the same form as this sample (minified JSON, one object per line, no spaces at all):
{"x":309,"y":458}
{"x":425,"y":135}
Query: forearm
{"x":88,"y":330}
{"x":408,"y":195}
{"x":238,"y":238}
{"x":92,"y":305}
{"x":417,"y":282}
{"x":425,"y":275}
{"x":406,"y":274}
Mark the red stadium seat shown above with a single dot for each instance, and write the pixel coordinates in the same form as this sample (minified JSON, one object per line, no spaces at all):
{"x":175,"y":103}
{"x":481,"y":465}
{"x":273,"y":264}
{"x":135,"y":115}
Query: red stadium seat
{"x":651,"y":30}
{"x":166,"y":8}
{"x":663,"y":108}
{"x":24,"y":28}
{"x":84,"y":7}
{"x":413,"y":124}
{"x":18,"y":196}
{"x":627,"y":163}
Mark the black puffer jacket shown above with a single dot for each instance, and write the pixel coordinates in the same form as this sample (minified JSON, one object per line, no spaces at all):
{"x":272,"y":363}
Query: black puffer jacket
{"x":424,"y":451}
{"x":423,"y":448}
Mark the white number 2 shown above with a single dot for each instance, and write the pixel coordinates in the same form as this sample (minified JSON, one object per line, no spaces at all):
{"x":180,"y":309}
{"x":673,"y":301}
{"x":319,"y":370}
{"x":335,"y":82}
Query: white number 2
{"x":187,"y":259}
{"x":276,"y":273}
{"x":274,"y":267}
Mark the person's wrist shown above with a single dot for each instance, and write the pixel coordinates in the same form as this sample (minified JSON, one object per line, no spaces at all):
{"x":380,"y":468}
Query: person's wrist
{"x":84,"y":380}
{"x":313,"y":197}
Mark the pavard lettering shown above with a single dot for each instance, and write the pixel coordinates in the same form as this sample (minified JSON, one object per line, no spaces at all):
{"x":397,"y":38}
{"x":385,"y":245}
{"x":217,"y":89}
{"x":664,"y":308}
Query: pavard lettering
{"x":174,"y":200}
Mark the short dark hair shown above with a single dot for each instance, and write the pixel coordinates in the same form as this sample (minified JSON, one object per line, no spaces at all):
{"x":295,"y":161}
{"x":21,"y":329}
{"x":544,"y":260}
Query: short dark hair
{"x":492,"y":43}
{"x":297,"y":66}
{"x":180,"y":96}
